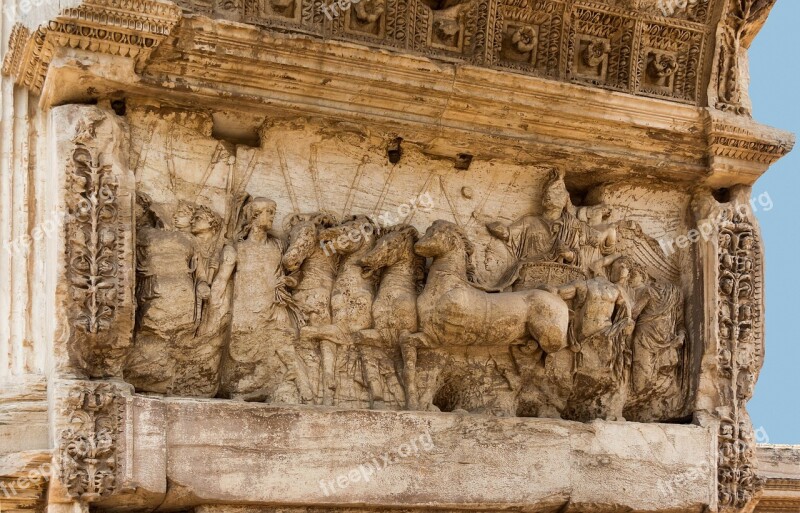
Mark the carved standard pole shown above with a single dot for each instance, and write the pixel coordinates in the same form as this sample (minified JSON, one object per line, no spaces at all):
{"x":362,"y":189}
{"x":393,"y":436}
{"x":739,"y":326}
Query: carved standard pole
{"x":249,"y":304}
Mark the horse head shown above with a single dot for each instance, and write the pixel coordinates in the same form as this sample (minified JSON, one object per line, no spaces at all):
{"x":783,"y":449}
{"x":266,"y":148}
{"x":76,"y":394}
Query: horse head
{"x":396,"y":245}
{"x":304,"y":236}
{"x":355,"y":233}
{"x":443,"y":239}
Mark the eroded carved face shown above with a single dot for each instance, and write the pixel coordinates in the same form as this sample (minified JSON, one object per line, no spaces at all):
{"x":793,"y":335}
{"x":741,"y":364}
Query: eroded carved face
{"x":264,"y":213}
{"x":433,"y":243}
{"x":182,"y":219}
{"x":620,"y":271}
{"x":382,"y":255}
{"x":388,"y":250}
{"x":555,"y":196}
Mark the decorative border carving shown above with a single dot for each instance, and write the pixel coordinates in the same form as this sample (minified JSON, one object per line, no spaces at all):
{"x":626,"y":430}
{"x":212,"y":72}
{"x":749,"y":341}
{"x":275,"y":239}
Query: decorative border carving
{"x":98,"y":245}
{"x":670,"y":62}
{"x":94,"y":250}
{"x":740,"y":353}
{"x":735,"y":32}
{"x":547,"y":38}
{"x":730,"y":140}
{"x":89,"y":447}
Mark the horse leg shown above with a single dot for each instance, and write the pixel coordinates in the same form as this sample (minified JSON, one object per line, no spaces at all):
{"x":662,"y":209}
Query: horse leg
{"x":367,"y":341}
{"x":327,"y":351}
{"x":408,"y":346}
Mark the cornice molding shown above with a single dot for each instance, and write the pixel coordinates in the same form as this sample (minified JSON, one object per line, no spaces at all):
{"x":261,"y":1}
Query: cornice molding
{"x":223,"y":65}
{"x":125,"y":28}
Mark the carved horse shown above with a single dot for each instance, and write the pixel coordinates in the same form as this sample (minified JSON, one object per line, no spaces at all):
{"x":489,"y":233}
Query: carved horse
{"x":316,"y":267}
{"x":394,"y":310}
{"x":351,"y":296}
{"x":454,"y":311}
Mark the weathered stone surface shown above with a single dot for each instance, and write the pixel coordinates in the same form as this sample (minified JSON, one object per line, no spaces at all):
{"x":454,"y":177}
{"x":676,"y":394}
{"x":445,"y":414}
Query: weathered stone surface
{"x":298,"y":455}
{"x":779,"y":466}
{"x":477,"y":212}
{"x":23,"y":415}
{"x":24,"y":480}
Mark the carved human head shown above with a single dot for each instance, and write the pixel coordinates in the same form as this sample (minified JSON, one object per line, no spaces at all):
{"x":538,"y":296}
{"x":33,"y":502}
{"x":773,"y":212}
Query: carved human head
{"x":144,"y":212}
{"x":621,"y":269}
{"x":638,"y":276}
{"x":182,"y":218}
{"x":556,"y":197}
{"x":205,"y":220}
{"x":261,"y":213}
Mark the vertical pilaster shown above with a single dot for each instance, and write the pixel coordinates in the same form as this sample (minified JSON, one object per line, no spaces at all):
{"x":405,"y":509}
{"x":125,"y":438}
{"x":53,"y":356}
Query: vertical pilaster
{"x":94,"y":191}
{"x":732,"y":261}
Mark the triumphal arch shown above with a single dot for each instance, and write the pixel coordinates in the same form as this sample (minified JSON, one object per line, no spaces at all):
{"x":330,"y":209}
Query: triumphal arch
{"x":339,"y":256}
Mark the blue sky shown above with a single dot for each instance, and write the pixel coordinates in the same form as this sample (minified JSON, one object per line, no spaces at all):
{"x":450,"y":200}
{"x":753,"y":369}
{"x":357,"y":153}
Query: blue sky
{"x":775,"y":75}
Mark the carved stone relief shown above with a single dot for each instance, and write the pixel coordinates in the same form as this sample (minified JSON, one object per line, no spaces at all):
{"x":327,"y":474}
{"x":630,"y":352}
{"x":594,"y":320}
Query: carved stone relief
{"x":741,"y":353}
{"x":635,"y":47}
{"x":734,"y":262}
{"x":571,"y":311}
{"x":90,"y":452}
{"x":741,"y":20}
{"x":99,"y":243}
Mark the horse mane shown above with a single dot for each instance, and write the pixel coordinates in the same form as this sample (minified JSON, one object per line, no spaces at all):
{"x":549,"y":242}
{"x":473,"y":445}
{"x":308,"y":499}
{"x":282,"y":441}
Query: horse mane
{"x":418,"y":261}
{"x":469,"y":252}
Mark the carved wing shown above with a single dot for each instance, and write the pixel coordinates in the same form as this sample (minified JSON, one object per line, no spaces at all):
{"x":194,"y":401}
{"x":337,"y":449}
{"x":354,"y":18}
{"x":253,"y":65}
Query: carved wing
{"x":646,"y":251}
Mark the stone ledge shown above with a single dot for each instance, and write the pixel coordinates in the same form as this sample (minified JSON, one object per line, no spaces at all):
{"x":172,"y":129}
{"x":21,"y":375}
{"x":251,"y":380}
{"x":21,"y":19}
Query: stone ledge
{"x":299,"y":456}
{"x":780,"y":466}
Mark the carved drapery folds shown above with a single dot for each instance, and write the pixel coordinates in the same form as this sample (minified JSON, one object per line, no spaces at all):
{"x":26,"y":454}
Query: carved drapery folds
{"x":98,"y":281}
{"x":585,"y":319}
{"x":89,"y":450}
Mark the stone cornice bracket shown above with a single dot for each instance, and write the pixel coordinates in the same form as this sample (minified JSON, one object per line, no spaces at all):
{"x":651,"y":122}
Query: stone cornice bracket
{"x":740,"y":150}
{"x":126,"y":28}
{"x":90,"y":439}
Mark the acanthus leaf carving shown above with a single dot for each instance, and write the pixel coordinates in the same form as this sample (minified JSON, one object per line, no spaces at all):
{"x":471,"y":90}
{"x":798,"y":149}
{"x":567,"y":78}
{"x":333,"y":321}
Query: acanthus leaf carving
{"x":98,"y":244}
{"x":89,"y":458}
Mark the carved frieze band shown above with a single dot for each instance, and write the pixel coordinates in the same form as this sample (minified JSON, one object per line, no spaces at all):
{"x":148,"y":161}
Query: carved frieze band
{"x":89,"y":456}
{"x":740,"y":353}
{"x":130,"y":28}
{"x":606,"y":44}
